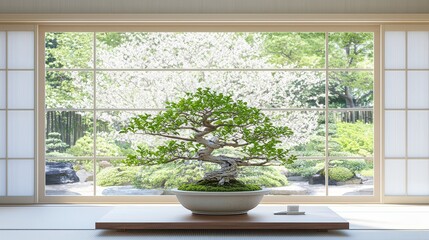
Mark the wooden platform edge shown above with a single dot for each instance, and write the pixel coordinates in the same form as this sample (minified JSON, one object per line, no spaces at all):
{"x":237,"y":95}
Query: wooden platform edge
{"x":220,"y":226}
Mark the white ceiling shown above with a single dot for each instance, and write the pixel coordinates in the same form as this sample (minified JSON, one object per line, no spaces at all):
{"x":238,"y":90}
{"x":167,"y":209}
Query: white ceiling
{"x":214,"y":6}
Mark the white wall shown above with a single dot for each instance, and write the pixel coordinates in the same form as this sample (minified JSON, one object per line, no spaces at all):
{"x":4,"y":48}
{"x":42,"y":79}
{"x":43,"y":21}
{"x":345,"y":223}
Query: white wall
{"x":214,"y":6}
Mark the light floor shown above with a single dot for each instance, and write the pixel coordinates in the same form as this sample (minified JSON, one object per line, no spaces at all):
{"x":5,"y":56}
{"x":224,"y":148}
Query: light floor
{"x":77,"y":222}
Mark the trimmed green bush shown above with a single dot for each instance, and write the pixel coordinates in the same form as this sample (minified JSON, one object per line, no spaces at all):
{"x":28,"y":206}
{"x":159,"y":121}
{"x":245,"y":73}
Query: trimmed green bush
{"x":305,"y":168}
{"x":340,"y":174}
{"x":367,"y":172}
{"x":117,"y":176}
{"x":354,"y":165}
{"x":84,"y":147}
{"x":212,"y":186}
{"x":173,"y":175}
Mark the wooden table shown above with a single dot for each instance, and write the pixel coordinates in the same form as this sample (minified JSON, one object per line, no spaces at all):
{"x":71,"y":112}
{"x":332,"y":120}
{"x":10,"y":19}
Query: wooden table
{"x":177,"y":217}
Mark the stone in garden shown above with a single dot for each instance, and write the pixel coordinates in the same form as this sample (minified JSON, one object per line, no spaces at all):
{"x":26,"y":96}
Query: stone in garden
{"x":60,"y":173}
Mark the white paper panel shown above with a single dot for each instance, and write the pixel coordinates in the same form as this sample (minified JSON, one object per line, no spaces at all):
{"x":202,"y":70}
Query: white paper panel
{"x":418,"y":89}
{"x":2,"y":50}
{"x":20,"y":89}
{"x":418,"y":177}
{"x":394,"y":177}
{"x":394,"y":145}
{"x":20,"y":178}
{"x":394,"y":89}
{"x":20,"y":50}
{"x":418,"y":50}
{"x":20,"y":134}
{"x":2,"y":90}
{"x":394,"y":50}
{"x":418,"y":134}
{"x":2,"y":134}
{"x":2,"y":177}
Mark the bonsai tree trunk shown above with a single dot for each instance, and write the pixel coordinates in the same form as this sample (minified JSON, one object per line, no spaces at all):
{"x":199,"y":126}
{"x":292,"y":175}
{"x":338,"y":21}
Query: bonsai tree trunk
{"x":226,"y":173}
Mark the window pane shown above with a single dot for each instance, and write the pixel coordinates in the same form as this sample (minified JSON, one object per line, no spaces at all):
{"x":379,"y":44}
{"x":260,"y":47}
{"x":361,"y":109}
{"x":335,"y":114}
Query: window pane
{"x":20,"y":178}
{"x":305,"y":177}
{"x":418,"y":133}
{"x":394,"y":48}
{"x":418,"y":177}
{"x":2,"y":50}
{"x":2,"y":177}
{"x":69,"y":90}
{"x":351,"y":50}
{"x":69,"y":134}
{"x":2,"y":90}
{"x":351,"y":177}
{"x":70,"y":50}
{"x":2,"y":134}
{"x":69,"y":178}
{"x":394,"y":88}
{"x":351,"y":90}
{"x":20,"y":89}
{"x":20,"y":135}
{"x":20,"y":50}
{"x":175,"y":50}
{"x":394,"y":177}
{"x":418,"y":86}
{"x":418,"y":48}
{"x":260,"y":89}
{"x":394,"y":133}
{"x":351,"y":133}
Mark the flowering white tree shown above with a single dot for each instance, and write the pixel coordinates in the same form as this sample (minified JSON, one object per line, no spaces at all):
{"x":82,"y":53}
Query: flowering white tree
{"x":180,"y":60}
{"x":232,"y":63}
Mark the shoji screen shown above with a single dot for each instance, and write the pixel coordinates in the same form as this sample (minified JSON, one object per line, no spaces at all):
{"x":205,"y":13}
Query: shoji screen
{"x":406,"y":114}
{"x":17,"y":115}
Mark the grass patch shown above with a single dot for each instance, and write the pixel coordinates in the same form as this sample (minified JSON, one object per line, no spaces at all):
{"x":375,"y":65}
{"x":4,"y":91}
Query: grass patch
{"x":212,"y":186}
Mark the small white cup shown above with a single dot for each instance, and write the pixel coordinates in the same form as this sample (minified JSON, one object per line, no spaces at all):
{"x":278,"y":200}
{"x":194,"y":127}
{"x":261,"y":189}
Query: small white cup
{"x":293,"y":208}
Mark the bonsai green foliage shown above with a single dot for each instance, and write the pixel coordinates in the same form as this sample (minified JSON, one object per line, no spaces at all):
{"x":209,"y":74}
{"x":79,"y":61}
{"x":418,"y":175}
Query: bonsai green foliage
{"x":84,"y":147}
{"x":54,"y":143}
{"x":160,"y":176}
{"x":340,"y":174}
{"x":213,"y":186}
{"x":203,"y":122}
{"x":355,"y":137}
{"x":117,"y":176}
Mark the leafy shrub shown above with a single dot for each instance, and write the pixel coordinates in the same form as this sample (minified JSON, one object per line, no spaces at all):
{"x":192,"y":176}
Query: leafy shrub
{"x":357,"y":138}
{"x":340,"y":174}
{"x":174,"y":175}
{"x":354,"y":165}
{"x":84,"y":147}
{"x":305,"y":168}
{"x":262,"y":176}
{"x":54,"y":143}
{"x":117,"y":176}
{"x":367,"y":172}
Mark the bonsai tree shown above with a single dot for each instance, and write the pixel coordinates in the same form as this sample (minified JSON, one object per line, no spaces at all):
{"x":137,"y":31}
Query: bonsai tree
{"x":201,"y":124}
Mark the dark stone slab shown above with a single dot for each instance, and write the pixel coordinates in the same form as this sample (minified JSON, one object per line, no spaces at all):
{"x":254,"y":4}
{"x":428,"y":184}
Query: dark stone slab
{"x":60,"y":173}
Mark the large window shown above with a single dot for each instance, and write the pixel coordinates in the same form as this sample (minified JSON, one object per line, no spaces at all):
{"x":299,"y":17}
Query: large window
{"x":321,"y":84}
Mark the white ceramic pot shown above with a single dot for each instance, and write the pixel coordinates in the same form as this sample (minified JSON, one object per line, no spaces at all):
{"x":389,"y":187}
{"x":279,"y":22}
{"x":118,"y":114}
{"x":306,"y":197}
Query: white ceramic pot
{"x":220,"y":203}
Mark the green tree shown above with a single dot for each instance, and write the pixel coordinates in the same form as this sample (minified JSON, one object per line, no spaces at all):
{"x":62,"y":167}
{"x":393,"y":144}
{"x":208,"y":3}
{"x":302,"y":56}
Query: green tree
{"x":205,"y":121}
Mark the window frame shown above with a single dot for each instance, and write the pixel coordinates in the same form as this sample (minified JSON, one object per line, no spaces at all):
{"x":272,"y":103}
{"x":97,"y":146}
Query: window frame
{"x":168,"y":27}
